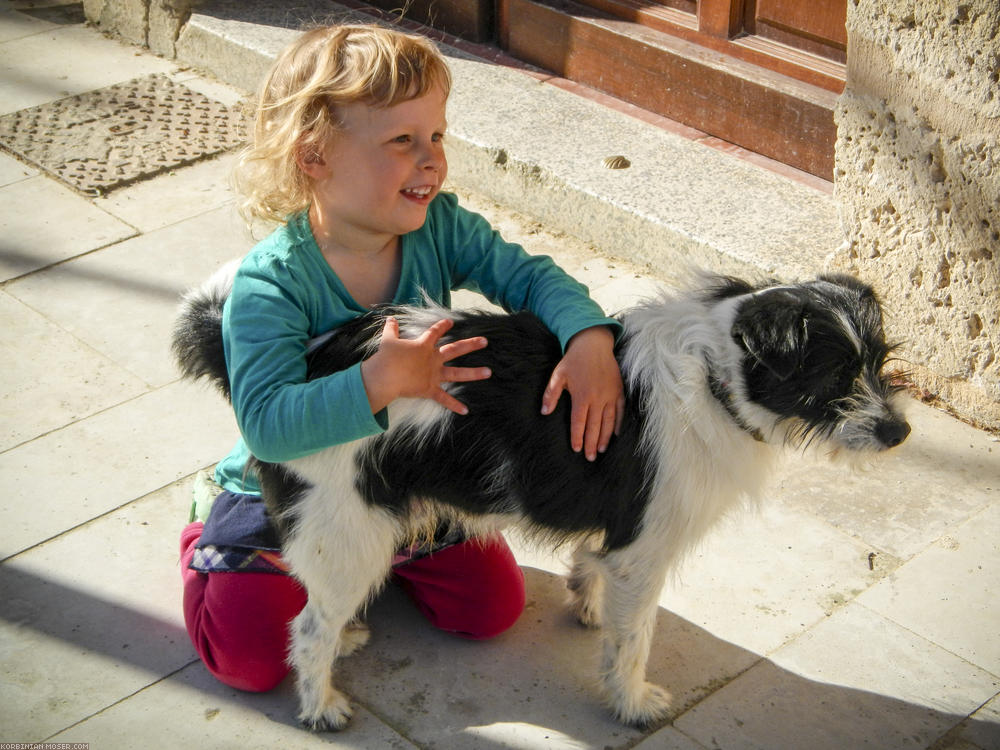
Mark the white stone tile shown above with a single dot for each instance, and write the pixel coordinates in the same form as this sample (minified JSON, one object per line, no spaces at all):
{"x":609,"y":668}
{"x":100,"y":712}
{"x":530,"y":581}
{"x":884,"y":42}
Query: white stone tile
{"x":93,"y":616}
{"x":12,"y":170}
{"x":53,"y":379}
{"x":535,"y":685}
{"x":668,"y":738}
{"x":172,"y":197}
{"x":945,"y":472}
{"x":192,"y":709}
{"x":123,"y":300}
{"x":64,"y":61}
{"x":983,"y":727}
{"x":950,"y":593}
{"x":43,"y":223}
{"x":760,"y":579}
{"x":15,"y":25}
{"x":72,"y":475}
{"x":855,"y":680}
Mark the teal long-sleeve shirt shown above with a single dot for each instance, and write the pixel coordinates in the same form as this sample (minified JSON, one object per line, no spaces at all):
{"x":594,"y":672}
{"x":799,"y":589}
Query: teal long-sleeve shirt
{"x":285,"y":294}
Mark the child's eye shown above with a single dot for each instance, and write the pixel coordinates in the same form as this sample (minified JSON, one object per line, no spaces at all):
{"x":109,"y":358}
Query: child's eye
{"x":401,"y":139}
{"x":437,"y":137}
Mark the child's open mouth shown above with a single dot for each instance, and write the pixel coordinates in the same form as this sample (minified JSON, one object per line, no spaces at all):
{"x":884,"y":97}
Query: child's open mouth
{"x":419,"y":194}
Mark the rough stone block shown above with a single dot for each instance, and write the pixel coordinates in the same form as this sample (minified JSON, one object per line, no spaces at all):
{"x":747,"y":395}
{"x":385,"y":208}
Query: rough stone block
{"x":917,"y":183}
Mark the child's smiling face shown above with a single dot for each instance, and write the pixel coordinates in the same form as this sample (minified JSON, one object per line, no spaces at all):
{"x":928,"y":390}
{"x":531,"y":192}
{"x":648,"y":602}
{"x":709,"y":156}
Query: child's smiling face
{"x":379,"y":173}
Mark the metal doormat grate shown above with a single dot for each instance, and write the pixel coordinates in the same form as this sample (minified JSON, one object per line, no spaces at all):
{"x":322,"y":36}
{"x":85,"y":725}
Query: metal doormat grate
{"x":108,"y":138}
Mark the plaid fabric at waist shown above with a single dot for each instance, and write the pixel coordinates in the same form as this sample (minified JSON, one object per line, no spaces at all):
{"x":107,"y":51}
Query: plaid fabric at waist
{"x":239,"y":537}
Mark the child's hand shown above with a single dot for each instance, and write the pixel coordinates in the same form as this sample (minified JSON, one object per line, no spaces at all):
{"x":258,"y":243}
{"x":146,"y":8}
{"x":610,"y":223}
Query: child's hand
{"x":590,"y":372}
{"x":416,"y":368}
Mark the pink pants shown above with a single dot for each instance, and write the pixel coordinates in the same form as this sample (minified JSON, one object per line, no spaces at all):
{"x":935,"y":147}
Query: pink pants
{"x":238,"y":622}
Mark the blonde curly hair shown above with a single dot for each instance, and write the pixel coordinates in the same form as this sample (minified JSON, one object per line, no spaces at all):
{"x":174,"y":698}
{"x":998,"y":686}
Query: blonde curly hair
{"x":297,"y":107}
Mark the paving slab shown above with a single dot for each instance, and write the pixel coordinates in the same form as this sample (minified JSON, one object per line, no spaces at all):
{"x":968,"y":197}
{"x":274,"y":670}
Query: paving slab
{"x":12,"y":170}
{"x":669,"y":738}
{"x":944,"y":473}
{"x":33,"y":68}
{"x":46,"y":390}
{"x":855,"y":680}
{"x":93,"y":616}
{"x":192,"y":709}
{"x":123,"y":300}
{"x":950,"y":593}
{"x":175,"y":196}
{"x":43,"y":223}
{"x":763,"y":578}
{"x":96,"y":465}
{"x":17,"y":25}
{"x":535,"y":685}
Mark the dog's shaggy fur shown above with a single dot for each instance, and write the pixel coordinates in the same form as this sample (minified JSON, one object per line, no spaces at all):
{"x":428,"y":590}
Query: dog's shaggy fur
{"x":717,"y":381}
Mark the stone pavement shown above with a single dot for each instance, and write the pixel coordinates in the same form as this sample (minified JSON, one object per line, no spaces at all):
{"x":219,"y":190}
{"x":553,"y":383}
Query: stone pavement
{"x":855,"y":610}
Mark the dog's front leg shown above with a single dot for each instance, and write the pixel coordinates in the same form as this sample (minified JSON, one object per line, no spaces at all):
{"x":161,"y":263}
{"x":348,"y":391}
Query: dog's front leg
{"x":630,"y":602}
{"x":314,"y":649}
{"x":341,"y":552}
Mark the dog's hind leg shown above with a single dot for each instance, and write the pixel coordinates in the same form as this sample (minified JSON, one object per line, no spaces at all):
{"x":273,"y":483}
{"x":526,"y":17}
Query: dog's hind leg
{"x":631,"y":595}
{"x":342,"y":552}
{"x":586,"y":586}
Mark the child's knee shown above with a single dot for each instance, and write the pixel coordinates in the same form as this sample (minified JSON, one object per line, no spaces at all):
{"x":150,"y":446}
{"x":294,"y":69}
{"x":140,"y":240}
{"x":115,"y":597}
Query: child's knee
{"x":475,"y":589}
{"x":489,"y":618}
{"x":253,"y":674}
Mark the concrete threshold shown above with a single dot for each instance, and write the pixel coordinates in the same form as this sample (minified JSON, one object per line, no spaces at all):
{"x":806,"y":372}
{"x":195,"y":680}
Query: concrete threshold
{"x":543,"y":150}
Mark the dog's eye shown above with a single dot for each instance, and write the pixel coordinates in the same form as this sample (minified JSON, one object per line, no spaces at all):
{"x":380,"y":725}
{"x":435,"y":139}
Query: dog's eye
{"x":833,"y":381}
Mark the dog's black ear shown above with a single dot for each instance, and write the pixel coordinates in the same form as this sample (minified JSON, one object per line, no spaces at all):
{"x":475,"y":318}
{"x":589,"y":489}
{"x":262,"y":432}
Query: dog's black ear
{"x":772,"y":330}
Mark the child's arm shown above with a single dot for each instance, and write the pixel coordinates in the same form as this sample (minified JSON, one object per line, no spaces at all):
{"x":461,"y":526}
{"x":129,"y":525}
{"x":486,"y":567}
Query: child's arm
{"x":416,"y":368}
{"x":590,"y":372}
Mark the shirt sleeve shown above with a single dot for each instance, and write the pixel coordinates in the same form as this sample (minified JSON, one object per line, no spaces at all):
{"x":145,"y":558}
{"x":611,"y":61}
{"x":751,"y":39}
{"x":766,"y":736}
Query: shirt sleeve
{"x":280,"y":415}
{"x":480,"y":259}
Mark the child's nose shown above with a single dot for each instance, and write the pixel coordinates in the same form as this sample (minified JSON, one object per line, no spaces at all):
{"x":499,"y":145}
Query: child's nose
{"x":432,"y":156}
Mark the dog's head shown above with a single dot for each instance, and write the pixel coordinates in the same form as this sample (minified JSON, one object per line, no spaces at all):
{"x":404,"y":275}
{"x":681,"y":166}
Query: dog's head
{"x":813,"y":355}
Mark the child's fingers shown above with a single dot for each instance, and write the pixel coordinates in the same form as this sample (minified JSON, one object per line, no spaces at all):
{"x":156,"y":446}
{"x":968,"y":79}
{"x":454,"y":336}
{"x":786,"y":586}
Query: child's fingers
{"x":609,"y":418}
{"x":553,"y":390}
{"x":465,"y":374}
{"x":450,"y":402}
{"x":456,"y":349}
{"x":436,"y":331}
{"x":391,"y":328}
{"x":579,"y":417}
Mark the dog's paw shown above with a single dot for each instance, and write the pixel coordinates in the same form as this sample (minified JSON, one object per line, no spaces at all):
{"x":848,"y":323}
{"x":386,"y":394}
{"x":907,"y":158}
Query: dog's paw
{"x":332,"y":716}
{"x":584,"y":611}
{"x":649,"y":705}
{"x":353,"y":637}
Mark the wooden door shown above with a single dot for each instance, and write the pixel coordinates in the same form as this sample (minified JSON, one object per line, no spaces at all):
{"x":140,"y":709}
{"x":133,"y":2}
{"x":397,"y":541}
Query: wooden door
{"x":818,"y":26}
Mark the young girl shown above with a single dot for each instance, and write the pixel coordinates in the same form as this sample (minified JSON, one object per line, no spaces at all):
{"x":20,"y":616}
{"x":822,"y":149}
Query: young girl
{"x":348,"y":154}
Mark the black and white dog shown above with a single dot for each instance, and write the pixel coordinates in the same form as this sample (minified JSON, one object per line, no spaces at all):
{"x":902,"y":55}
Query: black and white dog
{"x":718,"y":381}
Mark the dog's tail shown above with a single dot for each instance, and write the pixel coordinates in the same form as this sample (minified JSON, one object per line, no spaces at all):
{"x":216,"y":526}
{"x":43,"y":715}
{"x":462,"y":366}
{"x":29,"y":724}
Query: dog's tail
{"x":197,"y":339}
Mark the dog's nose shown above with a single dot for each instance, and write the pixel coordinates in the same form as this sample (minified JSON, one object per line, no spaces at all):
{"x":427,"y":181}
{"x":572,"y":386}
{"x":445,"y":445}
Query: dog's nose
{"x":892,"y":432}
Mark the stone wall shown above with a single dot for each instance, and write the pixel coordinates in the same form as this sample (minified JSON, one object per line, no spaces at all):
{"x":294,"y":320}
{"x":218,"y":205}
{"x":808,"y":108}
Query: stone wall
{"x":151,"y":23}
{"x":917,"y":183}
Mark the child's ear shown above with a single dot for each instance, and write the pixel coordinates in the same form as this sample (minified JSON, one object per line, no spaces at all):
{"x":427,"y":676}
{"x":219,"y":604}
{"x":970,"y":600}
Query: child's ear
{"x":309,"y":159}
